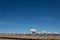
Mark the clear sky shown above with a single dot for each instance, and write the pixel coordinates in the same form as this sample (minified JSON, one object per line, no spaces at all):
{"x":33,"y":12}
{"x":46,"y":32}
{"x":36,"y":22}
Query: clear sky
{"x":19,"y":16}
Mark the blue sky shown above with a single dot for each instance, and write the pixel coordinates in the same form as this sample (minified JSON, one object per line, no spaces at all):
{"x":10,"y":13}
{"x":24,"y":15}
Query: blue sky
{"x":19,"y":16}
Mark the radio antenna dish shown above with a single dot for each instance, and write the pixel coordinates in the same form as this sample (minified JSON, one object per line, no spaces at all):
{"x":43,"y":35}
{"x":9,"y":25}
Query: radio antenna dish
{"x":33,"y":31}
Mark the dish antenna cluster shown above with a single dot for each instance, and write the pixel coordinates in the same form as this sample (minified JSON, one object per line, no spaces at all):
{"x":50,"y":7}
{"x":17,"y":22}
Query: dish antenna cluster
{"x":33,"y":31}
{"x":45,"y":32}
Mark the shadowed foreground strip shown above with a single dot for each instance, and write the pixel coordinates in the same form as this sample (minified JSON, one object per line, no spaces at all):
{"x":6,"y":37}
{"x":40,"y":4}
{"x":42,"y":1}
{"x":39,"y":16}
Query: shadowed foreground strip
{"x":29,"y":37}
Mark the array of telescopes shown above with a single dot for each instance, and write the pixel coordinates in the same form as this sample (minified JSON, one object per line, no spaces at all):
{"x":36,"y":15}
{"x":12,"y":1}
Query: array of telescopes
{"x":34,"y":31}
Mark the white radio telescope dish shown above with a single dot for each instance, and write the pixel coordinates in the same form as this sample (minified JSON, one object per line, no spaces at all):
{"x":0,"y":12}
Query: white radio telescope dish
{"x":44,"y":32}
{"x":33,"y":30}
{"x":49,"y":32}
{"x":56,"y":33}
